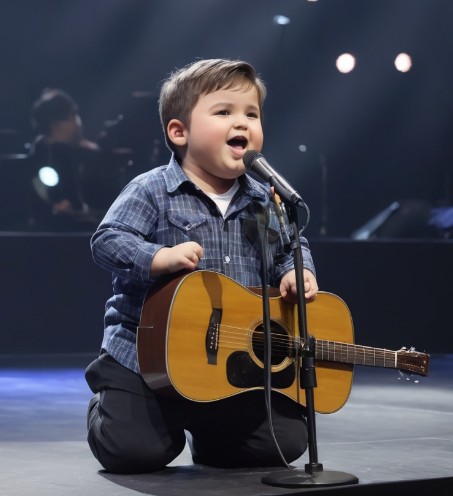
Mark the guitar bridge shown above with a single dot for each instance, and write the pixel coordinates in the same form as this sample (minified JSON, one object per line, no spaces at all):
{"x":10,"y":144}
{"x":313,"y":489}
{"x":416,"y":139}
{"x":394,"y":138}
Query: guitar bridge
{"x":212,"y":336}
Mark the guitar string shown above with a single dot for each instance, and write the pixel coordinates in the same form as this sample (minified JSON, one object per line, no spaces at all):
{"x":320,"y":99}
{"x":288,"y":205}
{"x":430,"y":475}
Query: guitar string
{"x":286,"y":340}
{"x":340,"y":351}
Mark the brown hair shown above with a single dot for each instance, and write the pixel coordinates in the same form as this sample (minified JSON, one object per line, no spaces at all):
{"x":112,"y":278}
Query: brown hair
{"x":180,"y":92}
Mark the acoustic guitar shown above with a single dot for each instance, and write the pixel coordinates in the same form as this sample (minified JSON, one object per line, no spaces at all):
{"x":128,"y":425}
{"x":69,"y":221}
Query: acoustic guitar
{"x":201,"y":335}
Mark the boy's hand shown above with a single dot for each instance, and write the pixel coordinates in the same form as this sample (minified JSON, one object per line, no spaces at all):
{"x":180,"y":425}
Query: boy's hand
{"x":288,"y":288}
{"x":184,"y":256}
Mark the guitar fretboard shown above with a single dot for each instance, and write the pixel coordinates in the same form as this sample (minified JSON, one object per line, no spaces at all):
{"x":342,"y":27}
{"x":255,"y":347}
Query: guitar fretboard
{"x":334,"y":351}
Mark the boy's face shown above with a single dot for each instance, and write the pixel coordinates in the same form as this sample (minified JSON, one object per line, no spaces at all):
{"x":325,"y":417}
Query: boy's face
{"x":223,"y":126}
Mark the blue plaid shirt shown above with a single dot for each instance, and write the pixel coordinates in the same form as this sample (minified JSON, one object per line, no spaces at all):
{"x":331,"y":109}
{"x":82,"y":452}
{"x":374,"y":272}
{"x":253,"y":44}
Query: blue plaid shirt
{"x":161,"y":208}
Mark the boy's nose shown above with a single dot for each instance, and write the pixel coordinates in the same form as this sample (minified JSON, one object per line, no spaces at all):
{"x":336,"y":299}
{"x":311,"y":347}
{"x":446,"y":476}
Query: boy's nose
{"x":240,"y":122}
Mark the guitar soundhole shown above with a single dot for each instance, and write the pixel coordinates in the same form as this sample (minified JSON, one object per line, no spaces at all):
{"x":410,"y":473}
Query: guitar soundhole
{"x":280,"y":343}
{"x":245,"y":369}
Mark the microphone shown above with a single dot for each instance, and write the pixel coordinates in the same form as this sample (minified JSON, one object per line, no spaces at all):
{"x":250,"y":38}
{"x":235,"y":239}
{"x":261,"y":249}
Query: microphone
{"x":255,"y":162}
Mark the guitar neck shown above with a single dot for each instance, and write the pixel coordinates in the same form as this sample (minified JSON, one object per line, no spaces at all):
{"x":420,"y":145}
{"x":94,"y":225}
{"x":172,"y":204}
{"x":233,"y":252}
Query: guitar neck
{"x":333,"y":351}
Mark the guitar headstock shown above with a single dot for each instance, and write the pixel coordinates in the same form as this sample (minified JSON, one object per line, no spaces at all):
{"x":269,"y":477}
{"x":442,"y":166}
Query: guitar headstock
{"x":412,"y":361}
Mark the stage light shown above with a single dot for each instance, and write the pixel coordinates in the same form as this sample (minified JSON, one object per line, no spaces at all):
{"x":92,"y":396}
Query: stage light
{"x":403,"y":62}
{"x":281,"y":20}
{"x":345,"y":63}
{"x":48,"y":176}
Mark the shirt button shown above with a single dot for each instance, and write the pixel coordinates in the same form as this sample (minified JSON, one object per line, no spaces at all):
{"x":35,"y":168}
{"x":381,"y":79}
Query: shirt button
{"x":226,"y":259}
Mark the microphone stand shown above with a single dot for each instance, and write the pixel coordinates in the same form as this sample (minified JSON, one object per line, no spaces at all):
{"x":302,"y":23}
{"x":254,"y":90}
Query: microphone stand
{"x":260,"y":229}
{"x":314,"y":473}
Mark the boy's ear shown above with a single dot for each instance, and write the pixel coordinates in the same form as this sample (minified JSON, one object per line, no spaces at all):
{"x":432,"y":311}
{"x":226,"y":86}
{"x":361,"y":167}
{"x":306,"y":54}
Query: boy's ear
{"x":177,"y":132}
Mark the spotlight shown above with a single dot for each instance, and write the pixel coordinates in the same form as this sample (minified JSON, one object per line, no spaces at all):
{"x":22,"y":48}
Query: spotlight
{"x":403,"y":62}
{"x":345,"y":63}
{"x":281,"y":20}
{"x":48,"y":176}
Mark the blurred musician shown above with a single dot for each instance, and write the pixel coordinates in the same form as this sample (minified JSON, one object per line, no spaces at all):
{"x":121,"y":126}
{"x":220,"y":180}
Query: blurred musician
{"x":63,"y":162}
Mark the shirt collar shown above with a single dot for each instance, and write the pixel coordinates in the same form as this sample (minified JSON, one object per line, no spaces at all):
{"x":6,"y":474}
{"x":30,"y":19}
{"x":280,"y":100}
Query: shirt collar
{"x":175,"y":177}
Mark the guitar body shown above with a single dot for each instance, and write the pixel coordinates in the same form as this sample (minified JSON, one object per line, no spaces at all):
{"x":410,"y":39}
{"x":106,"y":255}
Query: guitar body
{"x":201,"y":336}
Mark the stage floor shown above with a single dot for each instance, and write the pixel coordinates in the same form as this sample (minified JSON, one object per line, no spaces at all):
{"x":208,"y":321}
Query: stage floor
{"x":393,"y":434}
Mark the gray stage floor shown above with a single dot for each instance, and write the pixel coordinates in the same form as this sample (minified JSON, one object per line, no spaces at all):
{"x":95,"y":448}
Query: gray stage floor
{"x":391,"y":430}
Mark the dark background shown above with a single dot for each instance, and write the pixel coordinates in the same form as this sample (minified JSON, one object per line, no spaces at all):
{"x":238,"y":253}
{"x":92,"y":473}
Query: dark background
{"x":372,"y":136}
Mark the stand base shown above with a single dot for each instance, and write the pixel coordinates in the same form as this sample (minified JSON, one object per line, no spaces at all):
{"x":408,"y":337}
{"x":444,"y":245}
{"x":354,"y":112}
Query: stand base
{"x":300,"y":478}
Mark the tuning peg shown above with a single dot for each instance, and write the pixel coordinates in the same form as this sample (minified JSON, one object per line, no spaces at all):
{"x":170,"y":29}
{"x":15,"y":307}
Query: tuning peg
{"x":407,"y":376}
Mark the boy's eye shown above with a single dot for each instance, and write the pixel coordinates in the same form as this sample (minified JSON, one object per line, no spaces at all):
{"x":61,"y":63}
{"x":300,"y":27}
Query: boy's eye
{"x":223,"y":112}
{"x":254,"y":115}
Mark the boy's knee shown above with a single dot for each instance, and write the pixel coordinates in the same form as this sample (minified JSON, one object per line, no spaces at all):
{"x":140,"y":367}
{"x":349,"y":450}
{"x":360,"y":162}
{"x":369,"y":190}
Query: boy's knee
{"x":123,"y":453}
{"x":132,"y":462}
{"x":131,"y":459}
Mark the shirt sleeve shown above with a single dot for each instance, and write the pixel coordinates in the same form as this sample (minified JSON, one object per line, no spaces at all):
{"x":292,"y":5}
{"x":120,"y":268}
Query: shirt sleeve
{"x":120,"y":243}
{"x":286,"y":263}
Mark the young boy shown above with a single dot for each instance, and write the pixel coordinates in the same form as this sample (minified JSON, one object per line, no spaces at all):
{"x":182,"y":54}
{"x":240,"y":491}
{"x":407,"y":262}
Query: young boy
{"x":185,"y":216}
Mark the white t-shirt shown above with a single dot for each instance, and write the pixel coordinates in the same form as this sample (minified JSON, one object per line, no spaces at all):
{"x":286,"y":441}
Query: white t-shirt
{"x":223,"y":199}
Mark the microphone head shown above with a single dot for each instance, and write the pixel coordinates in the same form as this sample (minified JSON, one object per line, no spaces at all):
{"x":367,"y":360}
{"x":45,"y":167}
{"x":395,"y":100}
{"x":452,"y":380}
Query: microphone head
{"x":249,"y":158}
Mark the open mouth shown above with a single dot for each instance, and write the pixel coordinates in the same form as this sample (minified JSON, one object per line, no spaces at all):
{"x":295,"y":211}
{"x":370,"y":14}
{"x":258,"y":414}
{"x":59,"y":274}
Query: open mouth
{"x":239,"y":142}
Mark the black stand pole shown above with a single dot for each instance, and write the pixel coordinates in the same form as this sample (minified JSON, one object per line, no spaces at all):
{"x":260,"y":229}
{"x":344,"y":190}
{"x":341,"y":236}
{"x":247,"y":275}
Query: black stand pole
{"x":314,"y":473}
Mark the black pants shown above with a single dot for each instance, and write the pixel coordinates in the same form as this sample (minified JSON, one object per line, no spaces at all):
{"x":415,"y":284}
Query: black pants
{"x":132,"y":430}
